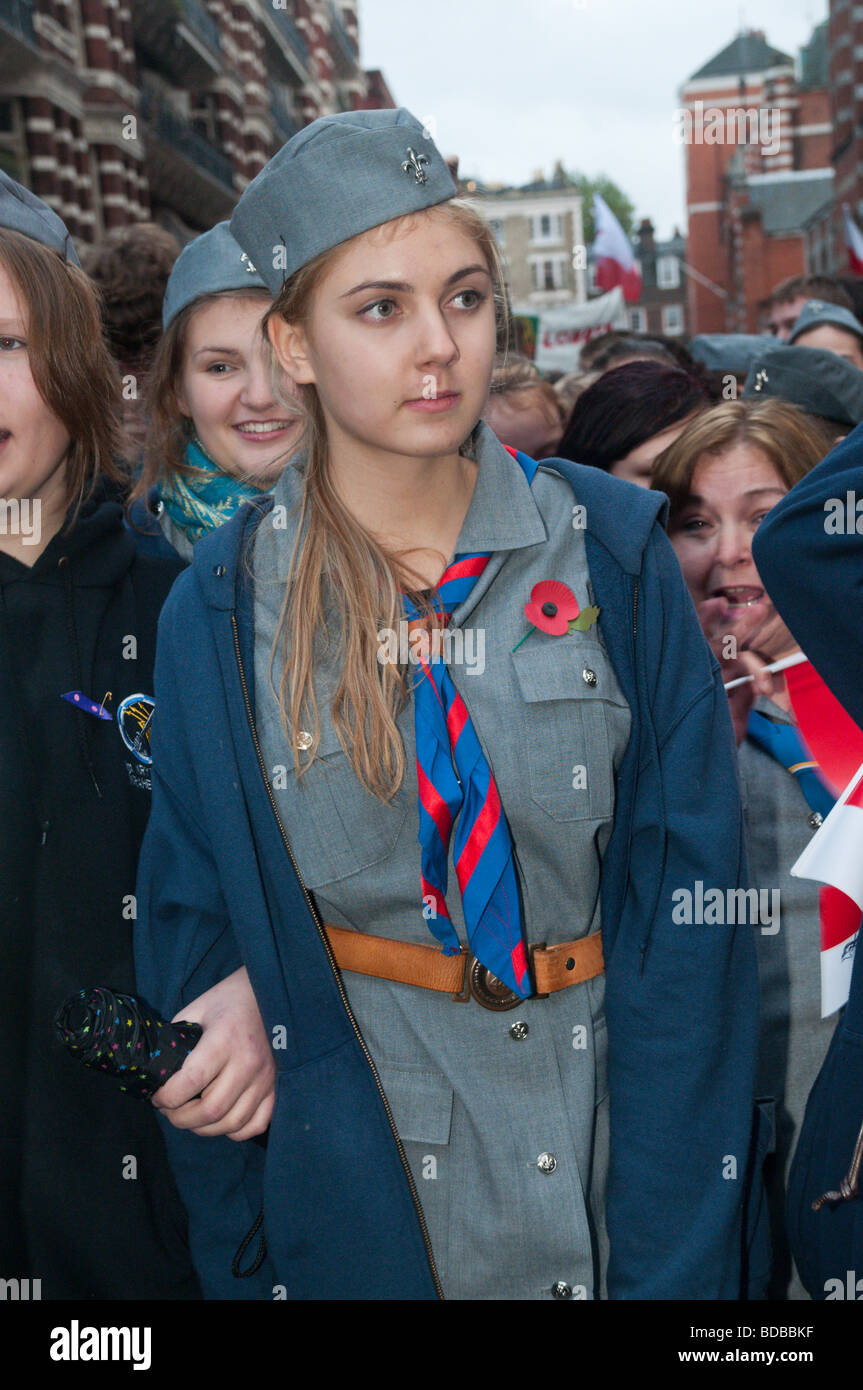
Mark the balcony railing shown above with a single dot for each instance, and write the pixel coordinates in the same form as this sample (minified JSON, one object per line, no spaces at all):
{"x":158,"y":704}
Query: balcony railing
{"x":201,"y":22}
{"x":294,"y":37}
{"x":176,"y":130}
{"x":18,"y":15}
{"x":281,"y":113}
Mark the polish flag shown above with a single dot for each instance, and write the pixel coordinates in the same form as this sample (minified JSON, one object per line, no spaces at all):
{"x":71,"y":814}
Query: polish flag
{"x":612,"y":249}
{"x":853,"y":241}
{"x":834,"y":856}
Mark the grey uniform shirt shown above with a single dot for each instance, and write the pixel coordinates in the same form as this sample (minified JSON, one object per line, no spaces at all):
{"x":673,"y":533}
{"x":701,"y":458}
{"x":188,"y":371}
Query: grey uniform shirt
{"x":505,"y":1129}
{"x":794,"y":1038}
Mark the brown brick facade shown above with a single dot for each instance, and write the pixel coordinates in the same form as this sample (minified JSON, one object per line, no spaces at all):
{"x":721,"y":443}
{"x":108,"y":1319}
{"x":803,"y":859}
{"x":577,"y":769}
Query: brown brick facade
{"x":167,"y":108}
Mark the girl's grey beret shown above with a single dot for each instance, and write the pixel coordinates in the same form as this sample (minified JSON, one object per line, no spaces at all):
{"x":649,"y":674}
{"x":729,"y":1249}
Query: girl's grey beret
{"x":22,"y":211}
{"x":213,"y":262}
{"x":336,"y":178}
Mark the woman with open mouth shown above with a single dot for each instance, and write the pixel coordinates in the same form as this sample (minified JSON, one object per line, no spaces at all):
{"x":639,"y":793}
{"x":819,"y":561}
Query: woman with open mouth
{"x":219,"y":432}
{"x":722,"y":476}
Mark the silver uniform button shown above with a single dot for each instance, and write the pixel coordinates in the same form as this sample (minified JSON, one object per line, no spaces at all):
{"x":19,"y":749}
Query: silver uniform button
{"x":546,"y":1163}
{"x":588,"y":676}
{"x":518,"y":1030}
{"x":304,"y":739}
{"x":815,"y":819}
{"x":561,"y":1290}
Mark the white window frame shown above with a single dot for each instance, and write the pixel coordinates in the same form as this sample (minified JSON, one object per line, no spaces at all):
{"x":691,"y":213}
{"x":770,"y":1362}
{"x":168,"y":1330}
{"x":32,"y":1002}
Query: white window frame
{"x":667,"y":272}
{"x":670,"y":329}
{"x":638,"y":319}
{"x":553,"y":236}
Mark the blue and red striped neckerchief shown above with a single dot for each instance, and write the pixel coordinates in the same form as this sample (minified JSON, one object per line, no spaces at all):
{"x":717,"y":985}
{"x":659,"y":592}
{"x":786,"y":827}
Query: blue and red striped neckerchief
{"x":456,"y":786}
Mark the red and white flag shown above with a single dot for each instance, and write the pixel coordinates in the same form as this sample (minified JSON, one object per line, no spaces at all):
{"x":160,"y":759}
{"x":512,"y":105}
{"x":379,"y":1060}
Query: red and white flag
{"x":827,"y":729}
{"x":853,"y":241}
{"x":612,"y":249}
{"x":834,"y":856}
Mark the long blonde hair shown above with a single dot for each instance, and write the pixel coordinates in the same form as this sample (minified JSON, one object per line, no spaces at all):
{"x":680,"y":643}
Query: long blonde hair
{"x":337,"y":563}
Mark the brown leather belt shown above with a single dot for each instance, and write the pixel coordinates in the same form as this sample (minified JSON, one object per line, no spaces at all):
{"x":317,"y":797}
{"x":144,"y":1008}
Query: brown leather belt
{"x":462,"y":976}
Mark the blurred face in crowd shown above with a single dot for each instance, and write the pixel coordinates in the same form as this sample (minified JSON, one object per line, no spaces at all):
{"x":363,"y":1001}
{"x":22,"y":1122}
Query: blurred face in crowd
{"x":224,"y":388}
{"x":637,"y":465}
{"x":34,"y":443}
{"x":729,"y":497}
{"x":833,"y":339}
{"x":525,"y":423}
{"x":783,"y":317}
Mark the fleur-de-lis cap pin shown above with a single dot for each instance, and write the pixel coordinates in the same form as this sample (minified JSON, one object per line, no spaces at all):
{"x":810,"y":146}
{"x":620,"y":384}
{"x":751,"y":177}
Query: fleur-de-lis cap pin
{"x":414,"y":163}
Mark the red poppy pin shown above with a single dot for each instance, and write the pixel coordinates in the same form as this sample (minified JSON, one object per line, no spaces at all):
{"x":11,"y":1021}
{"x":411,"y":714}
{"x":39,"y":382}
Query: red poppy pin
{"x":553,"y":608}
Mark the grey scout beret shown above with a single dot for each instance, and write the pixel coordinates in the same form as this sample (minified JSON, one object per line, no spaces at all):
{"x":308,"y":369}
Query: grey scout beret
{"x":21,"y":211}
{"x":819,"y":382}
{"x":213,"y":262}
{"x":336,"y":178}
{"x":729,"y":352}
{"x":816,"y":311}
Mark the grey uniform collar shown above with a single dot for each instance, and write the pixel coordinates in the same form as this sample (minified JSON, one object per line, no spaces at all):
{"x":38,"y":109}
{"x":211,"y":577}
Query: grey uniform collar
{"x":502,"y":514}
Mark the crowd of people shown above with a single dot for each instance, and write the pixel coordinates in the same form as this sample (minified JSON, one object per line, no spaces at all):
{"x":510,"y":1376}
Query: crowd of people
{"x":455,"y":1040}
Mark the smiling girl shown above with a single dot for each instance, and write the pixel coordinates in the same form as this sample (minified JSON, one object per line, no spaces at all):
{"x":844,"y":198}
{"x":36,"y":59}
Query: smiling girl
{"x":331,"y":819}
{"x":219,"y":433}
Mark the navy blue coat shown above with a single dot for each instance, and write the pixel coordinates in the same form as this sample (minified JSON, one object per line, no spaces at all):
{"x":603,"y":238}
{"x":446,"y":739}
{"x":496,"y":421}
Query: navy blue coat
{"x":217,"y":889}
{"x":815,"y":578}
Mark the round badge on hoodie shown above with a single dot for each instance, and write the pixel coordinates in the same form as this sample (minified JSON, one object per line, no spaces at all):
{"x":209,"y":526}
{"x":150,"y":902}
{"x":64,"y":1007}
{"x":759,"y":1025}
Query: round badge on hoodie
{"x":135,"y":718}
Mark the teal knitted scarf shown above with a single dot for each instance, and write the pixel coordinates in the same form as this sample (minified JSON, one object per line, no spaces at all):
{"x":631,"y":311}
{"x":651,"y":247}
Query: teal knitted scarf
{"x":199,"y":502}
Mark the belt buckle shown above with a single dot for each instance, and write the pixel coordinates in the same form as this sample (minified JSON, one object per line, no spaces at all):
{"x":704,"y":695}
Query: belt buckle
{"x":481,"y":985}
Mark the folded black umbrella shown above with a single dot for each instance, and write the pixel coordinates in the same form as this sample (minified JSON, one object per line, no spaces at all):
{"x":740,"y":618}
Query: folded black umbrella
{"x":124,"y":1038}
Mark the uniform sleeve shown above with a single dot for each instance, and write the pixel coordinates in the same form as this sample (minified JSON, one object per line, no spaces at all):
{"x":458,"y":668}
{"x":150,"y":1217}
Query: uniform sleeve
{"x":183,"y":946}
{"x":681,"y":994}
{"x":810,"y":560}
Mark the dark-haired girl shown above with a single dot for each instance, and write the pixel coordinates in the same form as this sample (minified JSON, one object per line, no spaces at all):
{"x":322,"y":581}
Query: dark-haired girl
{"x":624,"y":420}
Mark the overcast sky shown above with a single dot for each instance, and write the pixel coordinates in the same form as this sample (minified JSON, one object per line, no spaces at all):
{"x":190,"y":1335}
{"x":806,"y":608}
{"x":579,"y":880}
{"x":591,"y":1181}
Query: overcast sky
{"x":513,"y":85}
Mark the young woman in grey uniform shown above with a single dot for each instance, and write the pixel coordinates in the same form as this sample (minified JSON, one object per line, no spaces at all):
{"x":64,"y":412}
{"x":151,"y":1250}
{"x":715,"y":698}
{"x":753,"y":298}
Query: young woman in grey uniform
{"x":558,"y":741}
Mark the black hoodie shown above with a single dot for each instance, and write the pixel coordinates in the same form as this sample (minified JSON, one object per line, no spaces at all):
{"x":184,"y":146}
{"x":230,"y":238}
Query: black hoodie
{"x":87,"y":1201}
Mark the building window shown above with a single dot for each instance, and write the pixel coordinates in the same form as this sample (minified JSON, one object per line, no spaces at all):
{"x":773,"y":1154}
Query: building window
{"x":672,"y":318}
{"x":667,"y":272}
{"x":545,"y":227}
{"x":638,"y":320}
{"x":548,"y":274}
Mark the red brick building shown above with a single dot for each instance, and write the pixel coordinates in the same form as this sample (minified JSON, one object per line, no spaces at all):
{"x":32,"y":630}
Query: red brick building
{"x":825,"y":241}
{"x":757,"y":140}
{"x":114,"y":111}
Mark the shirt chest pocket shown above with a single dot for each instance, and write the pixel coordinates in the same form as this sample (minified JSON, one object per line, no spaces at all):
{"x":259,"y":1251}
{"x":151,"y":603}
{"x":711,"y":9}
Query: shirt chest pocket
{"x":575,"y":727}
{"x":336,"y":827}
